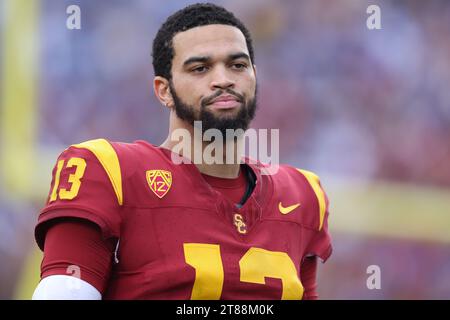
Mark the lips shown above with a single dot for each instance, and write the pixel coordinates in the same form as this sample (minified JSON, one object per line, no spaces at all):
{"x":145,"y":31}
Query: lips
{"x":224,"y":98}
{"x":225,"y":102}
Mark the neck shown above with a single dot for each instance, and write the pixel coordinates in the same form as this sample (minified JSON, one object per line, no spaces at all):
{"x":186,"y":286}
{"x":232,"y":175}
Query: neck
{"x":194,"y":150}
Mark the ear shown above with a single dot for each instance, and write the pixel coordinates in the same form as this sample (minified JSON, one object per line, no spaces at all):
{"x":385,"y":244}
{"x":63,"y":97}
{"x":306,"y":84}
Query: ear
{"x":162,"y":91}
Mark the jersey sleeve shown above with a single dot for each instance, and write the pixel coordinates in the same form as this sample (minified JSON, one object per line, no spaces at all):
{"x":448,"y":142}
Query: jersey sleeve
{"x":72,"y":243}
{"x":86,"y":184}
{"x":319,"y":244}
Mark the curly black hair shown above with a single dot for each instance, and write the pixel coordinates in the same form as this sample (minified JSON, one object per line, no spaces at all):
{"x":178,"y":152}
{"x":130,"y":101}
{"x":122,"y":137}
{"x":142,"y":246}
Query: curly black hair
{"x":195,"y":15}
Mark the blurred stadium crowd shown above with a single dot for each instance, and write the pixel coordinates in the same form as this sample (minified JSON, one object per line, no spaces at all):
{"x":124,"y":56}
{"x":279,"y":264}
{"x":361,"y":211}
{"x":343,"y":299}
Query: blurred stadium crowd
{"x":349,"y":102}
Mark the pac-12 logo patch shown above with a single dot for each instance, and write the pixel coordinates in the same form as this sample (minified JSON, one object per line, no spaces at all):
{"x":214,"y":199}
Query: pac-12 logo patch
{"x":159,"y":181}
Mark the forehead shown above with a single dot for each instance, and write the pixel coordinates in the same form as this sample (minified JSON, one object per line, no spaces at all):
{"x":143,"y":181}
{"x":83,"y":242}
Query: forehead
{"x":212,"y":40}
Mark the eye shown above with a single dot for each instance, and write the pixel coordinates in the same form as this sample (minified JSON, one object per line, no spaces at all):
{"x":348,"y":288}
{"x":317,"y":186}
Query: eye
{"x":239,"y":66}
{"x":200,"y":69}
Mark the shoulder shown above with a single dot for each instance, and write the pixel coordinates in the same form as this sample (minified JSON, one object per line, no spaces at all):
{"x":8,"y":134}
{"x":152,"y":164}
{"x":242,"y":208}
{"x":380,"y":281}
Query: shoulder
{"x":289,"y":176}
{"x":305,"y":186}
{"x":108,"y":161}
{"x":99,"y":158}
{"x":88,"y":183}
{"x":107,"y":151}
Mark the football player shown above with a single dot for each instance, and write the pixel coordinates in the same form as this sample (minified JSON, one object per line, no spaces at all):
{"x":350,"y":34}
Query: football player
{"x":126,"y":221}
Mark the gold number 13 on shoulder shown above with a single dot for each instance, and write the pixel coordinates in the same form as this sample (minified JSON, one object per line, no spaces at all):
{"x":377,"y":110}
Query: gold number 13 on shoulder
{"x":74,"y":179}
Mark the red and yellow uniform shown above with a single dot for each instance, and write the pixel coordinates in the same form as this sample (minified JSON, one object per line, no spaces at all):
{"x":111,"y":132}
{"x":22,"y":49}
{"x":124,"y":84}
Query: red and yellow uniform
{"x":179,"y":238}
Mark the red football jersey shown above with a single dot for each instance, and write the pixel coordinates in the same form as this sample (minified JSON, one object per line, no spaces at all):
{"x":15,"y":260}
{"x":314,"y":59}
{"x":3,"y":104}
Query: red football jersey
{"x":181,"y":239}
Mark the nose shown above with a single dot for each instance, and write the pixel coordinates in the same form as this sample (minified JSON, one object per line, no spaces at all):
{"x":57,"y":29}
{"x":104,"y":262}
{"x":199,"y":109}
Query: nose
{"x":221,"y":79}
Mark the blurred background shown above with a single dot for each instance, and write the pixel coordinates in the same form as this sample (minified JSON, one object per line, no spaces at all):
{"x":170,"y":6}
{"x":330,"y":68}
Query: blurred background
{"x":367,"y":110}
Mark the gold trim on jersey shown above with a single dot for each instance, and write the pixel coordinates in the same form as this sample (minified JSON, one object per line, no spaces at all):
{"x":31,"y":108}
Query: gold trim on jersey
{"x":314,"y":182}
{"x":107,"y":157}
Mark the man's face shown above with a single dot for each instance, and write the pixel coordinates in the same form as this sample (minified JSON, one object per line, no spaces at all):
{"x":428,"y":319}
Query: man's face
{"x":213,"y":79}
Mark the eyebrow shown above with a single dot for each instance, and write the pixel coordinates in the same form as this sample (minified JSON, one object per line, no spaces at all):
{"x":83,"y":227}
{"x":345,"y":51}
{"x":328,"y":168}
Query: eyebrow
{"x":239,"y":55}
{"x":204,"y":59}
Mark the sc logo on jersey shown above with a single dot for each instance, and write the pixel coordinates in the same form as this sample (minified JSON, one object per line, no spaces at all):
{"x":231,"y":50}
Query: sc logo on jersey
{"x":240,"y":224}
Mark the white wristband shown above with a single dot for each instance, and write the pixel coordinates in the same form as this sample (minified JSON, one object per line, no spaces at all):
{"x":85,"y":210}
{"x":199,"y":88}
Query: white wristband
{"x":64,"y":287}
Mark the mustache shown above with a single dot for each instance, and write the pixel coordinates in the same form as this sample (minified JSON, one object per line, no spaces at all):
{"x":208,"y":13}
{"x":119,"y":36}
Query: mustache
{"x":208,"y":100}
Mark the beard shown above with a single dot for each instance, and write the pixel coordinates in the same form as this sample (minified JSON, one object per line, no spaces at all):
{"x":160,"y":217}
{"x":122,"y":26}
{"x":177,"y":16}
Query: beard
{"x":240,"y":120}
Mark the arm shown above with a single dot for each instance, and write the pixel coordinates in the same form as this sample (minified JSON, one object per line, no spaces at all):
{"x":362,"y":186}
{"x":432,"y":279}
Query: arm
{"x":80,"y":222}
{"x":77,"y":261}
{"x":308,"y":273}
